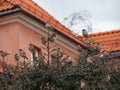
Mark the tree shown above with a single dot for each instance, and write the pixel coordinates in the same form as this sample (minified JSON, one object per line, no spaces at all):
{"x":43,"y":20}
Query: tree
{"x":89,"y":72}
{"x":83,"y":75}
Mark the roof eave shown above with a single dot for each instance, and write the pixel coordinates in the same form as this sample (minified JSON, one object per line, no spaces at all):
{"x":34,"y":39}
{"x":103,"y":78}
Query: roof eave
{"x":6,"y":12}
{"x":18,"y":9}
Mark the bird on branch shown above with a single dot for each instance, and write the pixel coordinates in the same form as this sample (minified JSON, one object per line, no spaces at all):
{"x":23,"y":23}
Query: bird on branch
{"x":49,"y":27}
{"x":17,"y":57}
{"x":82,"y":83}
{"x":89,"y":42}
{"x":67,"y":59}
{"x":58,"y":52}
{"x":98,"y":47}
{"x":22,"y":53}
{"x":4,"y":54}
{"x":31,"y":48}
{"x":79,"y":48}
{"x":105,"y":53}
{"x":43,"y":41}
{"x":89,"y":59}
{"x":52,"y":37}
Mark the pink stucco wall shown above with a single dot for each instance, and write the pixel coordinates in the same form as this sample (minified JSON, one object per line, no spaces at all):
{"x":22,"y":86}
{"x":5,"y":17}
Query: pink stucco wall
{"x":27,"y":36}
{"x":15,"y":36}
{"x":9,"y":40}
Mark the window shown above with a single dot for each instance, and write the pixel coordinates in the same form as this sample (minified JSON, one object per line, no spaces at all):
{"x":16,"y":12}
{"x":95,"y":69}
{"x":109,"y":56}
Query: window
{"x":35,"y":52}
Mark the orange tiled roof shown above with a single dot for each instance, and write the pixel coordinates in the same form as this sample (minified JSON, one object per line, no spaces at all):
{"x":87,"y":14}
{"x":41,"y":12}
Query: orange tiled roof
{"x":4,"y":5}
{"x":34,"y":9}
{"x":110,"y":40}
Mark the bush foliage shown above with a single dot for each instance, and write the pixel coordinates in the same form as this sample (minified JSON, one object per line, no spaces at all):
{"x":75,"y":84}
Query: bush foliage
{"x":40,"y":75}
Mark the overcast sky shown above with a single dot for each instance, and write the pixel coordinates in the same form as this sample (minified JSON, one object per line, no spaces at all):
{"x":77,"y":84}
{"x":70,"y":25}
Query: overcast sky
{"x":105,"y":14}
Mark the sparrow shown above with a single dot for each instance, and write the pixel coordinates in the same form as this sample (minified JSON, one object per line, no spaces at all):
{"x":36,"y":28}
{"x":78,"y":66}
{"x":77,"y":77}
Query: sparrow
{"x":17,"y":57}
{"x":100,"y":55}
{"x":48,"y":26}
{"x":52,"y":37}
{"x":79,"y":48}
{"x":4,"y":54}
{"x":60,"y":52}
{"x":44,"y":41}
{"x":31,"y":48}
{"x":82,"y":83}
{"x":22,"y":53}
{"x":89,"y":60}
{"x":105,"y":53}
{"x":89,"y":42}
{"x":106,"y":79}
{"x":85,"y":33}
{"x":67,"y":59}
{"x":98,"y":47}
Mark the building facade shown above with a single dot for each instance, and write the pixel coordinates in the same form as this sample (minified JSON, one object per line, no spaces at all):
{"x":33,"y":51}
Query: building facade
{"x":23,"y":23}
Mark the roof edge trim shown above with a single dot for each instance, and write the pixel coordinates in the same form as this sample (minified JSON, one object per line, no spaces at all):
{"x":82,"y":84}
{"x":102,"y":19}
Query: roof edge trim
{"x":9,"y":11}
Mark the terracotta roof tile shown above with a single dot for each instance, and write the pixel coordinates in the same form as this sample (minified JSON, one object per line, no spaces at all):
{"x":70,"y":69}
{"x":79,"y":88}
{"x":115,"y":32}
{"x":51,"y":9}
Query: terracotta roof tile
{"x":5,"y":5}
{"x":34,"y":9}
{"x":109,"y":40}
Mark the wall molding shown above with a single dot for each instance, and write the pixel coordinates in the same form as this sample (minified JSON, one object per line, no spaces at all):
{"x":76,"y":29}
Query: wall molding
{"x":36,"y":26}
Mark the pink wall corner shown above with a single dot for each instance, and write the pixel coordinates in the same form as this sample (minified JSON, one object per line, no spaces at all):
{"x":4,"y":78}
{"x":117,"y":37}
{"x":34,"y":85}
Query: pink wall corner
{"x":9,"y":40}
{"x":15,"y":36}
{"x":27,"y":36}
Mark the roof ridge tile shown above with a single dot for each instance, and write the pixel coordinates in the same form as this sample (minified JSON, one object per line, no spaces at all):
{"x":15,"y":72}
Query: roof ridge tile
{"x":105,"y":33}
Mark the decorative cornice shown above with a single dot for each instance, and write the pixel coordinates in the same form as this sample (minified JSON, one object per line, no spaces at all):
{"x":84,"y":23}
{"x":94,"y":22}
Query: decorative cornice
{"x":36,"y":26}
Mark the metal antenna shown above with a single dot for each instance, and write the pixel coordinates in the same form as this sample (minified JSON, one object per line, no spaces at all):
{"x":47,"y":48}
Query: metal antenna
{"x":78,"y":21}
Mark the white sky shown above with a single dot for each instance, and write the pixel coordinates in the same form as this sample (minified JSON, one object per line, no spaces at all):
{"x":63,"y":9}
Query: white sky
{"x":105,"y":14}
